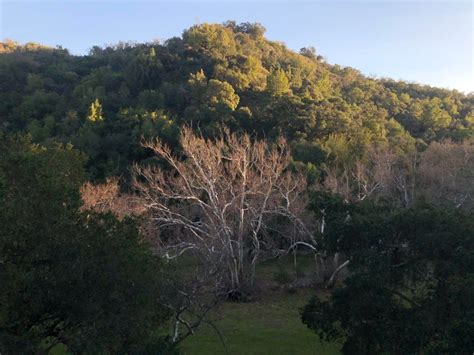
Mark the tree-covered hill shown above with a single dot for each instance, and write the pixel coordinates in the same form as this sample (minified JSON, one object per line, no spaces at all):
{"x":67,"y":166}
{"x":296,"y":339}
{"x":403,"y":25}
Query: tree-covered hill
{"x":214,"y":76}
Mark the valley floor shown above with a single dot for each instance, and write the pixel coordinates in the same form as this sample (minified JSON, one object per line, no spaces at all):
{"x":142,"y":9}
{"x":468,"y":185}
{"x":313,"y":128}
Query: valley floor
{"x":270,"y":325}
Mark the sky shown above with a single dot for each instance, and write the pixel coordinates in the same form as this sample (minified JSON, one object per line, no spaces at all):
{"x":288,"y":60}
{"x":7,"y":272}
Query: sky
{"x":429,"y":42}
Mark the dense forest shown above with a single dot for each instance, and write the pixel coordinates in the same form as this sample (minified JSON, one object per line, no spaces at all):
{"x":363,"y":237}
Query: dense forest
{"x":213,"y":76}
{"x":155,"y":178}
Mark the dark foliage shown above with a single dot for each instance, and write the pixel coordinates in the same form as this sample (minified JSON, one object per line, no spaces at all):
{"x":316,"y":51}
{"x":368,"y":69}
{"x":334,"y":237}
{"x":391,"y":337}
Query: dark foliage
{"x":411,"y":283}
{"x":81,"y":280}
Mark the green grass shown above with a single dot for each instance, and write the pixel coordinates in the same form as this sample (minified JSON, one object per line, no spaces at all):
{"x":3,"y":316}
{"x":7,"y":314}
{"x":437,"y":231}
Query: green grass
{"x":267,"y":270}
{"x":271,"y":325}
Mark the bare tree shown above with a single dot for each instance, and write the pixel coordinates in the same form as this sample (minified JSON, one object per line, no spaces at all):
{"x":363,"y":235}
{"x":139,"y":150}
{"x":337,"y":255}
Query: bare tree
{"x":106,"y":197}
{"x":217,"y":201}
{"x":380,"y":173}
{"x":192,"y":295}
{"x":446,"y":174}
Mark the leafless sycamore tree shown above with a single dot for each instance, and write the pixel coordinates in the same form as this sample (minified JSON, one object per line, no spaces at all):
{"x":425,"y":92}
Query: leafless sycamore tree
{"x":446,"y":174}
{"x":381,"y":173}
{"x":218,"y":200}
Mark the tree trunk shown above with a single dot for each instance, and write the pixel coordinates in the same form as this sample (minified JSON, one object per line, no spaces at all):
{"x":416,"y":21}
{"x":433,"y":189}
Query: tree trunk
{"x":333,"y":278}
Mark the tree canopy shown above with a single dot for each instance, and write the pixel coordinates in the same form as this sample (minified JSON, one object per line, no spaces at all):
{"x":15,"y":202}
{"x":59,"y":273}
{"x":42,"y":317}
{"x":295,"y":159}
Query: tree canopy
{"x":82,"y":280}
{"x":213,"y":76}
{"x":410,"y":287}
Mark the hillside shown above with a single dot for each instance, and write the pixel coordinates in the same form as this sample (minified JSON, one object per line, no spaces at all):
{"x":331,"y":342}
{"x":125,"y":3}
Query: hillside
{"x":213,"y":76}
{"x":221,"y":193}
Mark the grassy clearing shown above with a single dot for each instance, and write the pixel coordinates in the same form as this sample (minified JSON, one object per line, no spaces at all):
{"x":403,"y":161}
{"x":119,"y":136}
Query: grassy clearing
{"x":270,"y":325}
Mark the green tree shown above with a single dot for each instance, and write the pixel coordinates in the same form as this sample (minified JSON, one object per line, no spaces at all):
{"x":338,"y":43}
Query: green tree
{"x":220,"y":93}
{"x":322,"y":89}
{"x":411,"y":283}
{"x":434,"y":116}
{"x":278,"y":83}
{"x":95,"y":111}
{"x":212,"y":102}
{"x":83,"y":280}
{"x":255,"y":30}
{"x":214,"y":39}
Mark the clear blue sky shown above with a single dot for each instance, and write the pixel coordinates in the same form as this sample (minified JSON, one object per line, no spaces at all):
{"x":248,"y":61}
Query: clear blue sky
{"x":424,"y":41}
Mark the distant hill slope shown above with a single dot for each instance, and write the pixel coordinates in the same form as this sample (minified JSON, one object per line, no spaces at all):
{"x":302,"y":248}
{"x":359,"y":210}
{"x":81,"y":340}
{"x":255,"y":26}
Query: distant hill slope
{"x":213,"y":76}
